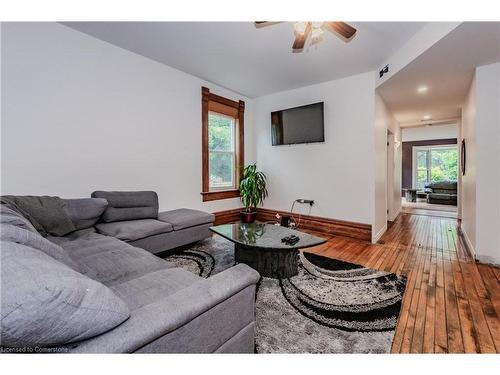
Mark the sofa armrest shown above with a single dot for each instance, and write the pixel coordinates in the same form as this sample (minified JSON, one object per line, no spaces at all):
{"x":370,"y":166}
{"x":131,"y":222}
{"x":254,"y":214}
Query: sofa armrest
{"x":152,"y":321}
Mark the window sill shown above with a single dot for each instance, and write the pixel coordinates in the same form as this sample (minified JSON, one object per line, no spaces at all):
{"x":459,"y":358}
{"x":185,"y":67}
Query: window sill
{"x":217,"y":195}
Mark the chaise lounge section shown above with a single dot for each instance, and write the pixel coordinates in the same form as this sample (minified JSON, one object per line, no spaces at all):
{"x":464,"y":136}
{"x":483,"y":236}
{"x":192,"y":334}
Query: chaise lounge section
{"x":133,"y":217}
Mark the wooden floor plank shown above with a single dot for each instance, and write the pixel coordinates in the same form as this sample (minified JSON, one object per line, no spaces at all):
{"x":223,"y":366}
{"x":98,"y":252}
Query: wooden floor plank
{"x":486,"y":343}
{"x":469,"y":334}
{"x":453,"y":329}
{"x":430,"y":308}
{"x":440,"y":334}
{"x":418,"y":331}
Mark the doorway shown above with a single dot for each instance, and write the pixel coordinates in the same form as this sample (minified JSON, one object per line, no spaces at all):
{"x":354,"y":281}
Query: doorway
{"x":390,"y":177}
{"x":434,"y":176}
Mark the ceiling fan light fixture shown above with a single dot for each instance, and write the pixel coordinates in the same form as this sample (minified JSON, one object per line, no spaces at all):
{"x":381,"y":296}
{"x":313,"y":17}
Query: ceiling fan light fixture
{"x":308,"y":32}
{"x":316,"y":35}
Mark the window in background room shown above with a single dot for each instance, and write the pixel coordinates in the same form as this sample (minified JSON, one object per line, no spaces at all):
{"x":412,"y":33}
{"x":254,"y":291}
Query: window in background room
{"x":222,"y":146}
{"x":434,"y":163}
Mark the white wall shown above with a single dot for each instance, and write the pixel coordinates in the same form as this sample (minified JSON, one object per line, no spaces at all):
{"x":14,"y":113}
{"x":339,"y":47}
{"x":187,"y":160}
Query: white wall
{"x":481,"y":183}
{"x":387,"y":182}
{"x":423,"y":39}
{"x":468,"y":192}
{"x":423,"y":133}
{"x":80,"y":114}
{"x":488,"y":163}
{"x":338,"y":174}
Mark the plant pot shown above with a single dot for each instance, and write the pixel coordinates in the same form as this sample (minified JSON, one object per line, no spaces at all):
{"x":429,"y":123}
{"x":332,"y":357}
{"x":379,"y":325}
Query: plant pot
{"x":248,"y":217}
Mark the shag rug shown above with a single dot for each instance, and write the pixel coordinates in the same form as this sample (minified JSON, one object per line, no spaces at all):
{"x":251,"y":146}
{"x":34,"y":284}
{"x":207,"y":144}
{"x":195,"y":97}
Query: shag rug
{"x":331,"y":306}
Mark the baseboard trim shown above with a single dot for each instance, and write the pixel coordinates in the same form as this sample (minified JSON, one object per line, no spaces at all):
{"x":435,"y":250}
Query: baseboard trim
{"x":227,"y":216}
{"x":467,"y":242}
{"x":329,"y":226}
{"x":322,"y":224}
{"x":396,"y":215}
{"x":379,"y":234}
{"x":488,"y":260}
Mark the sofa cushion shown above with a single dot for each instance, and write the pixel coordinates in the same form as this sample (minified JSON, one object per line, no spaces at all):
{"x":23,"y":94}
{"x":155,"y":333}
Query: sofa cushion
{"x":46,"y":214}
{"x":35,"y":240}
{"x":443,"y":191}
{"x":445,"y":186}
{"x":443,"y":196}
{"x":85,"y":212}
{"x":133,"y":229}
{"x":45,"y":303}
{"x":128,"y":205}
{"x":185,"y":218}
{"x":153,"y":286}
{"x":9,"y":216}
{"x":109,"y":260}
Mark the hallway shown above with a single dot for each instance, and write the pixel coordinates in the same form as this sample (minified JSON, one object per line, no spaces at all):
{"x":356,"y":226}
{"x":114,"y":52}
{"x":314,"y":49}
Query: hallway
{"x":451,"y":304}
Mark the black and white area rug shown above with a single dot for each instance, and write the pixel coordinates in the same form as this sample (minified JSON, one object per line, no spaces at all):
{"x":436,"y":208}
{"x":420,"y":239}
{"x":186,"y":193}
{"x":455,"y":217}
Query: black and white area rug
{"x":329,"y":307}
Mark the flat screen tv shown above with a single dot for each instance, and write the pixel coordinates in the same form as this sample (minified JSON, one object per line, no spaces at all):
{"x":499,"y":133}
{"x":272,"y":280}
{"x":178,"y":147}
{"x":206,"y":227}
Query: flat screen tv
{"x":303,"y":124}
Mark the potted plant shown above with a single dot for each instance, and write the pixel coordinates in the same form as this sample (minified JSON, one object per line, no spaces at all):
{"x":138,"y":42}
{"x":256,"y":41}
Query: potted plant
{"x":253,"y":192}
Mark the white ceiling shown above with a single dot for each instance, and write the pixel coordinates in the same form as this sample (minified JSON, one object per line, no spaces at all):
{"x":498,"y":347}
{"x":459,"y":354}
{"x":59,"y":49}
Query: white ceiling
{"x":446,"y":69}
{"x":252,"y":61}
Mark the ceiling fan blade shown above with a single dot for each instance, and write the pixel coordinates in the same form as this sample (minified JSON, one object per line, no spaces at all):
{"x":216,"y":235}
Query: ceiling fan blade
{"x":259,"y":24}
{"x":341,"y":28}
{"x":300,"y":39}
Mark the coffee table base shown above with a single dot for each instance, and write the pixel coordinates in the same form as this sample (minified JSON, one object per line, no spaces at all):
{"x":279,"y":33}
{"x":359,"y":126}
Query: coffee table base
{"x":273,"y":263}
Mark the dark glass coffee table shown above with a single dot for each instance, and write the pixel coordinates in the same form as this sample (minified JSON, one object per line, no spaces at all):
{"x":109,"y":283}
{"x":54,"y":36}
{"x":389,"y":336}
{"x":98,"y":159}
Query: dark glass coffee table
{"x":260,"y":247}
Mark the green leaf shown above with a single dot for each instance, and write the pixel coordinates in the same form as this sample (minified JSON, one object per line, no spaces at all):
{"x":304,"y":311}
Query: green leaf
{"x":253,"y":188}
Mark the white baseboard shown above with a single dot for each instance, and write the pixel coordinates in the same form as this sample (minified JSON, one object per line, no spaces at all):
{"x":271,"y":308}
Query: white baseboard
{"x":480,"y":258}
{"x":488,"y":260}
{"x":396,"y":214}
{"x":379,"y":234}
{"x":468,"y":242}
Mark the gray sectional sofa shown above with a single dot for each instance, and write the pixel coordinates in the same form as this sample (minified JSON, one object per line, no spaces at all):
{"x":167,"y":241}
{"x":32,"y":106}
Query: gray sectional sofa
{"x":95,"y":289}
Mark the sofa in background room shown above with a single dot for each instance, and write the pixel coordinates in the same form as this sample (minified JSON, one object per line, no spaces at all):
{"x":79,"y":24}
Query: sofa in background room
{"x":441,"y":192}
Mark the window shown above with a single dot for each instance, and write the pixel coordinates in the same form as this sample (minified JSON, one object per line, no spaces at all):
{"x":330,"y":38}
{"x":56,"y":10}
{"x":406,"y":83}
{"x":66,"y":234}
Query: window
{"x":222,"y":146}
{"x":434,"y":163}
{"x":221,"y":151}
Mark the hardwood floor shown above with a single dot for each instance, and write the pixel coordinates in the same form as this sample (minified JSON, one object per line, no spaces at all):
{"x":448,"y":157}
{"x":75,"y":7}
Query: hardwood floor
{"x":451,"y":304}
{"x":422,"y":208}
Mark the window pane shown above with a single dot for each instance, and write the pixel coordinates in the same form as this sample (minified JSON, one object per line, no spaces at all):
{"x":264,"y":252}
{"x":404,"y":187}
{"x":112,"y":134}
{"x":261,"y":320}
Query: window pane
{"x":221,"y":169}
{"x":421,"y":169}
{"x":220,"y":132}
{"x":421,"y":178}
{"x":221,"y":142}
{"x":444,"y":164}
{"x":422,"y":159}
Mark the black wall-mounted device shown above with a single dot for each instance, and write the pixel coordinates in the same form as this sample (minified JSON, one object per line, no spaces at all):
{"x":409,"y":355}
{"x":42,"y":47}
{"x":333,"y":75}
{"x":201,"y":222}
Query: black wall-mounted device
{"x":384,"y":70}
{"x":310,"y":202}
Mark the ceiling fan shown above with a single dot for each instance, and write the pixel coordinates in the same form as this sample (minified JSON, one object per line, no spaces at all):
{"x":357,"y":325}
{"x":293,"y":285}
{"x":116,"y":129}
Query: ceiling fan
{"x":313,"y":31}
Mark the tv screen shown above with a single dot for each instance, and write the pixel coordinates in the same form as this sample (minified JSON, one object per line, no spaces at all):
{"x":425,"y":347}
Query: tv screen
{"x":303,"y":124}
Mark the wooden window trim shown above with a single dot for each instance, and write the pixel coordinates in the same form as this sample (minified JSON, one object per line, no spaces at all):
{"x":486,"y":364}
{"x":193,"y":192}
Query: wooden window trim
{"x":236,"y":109}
